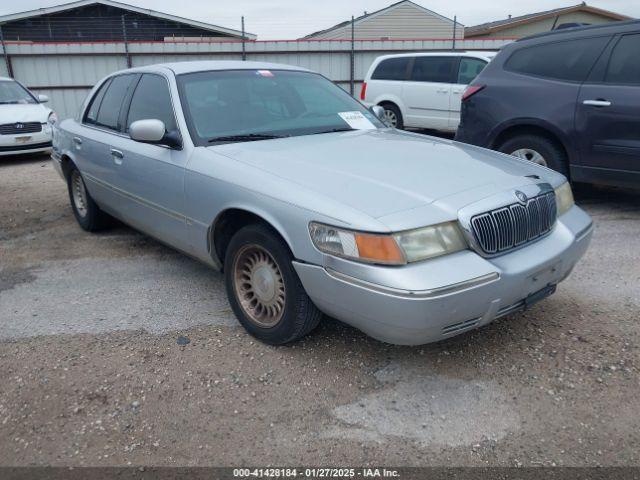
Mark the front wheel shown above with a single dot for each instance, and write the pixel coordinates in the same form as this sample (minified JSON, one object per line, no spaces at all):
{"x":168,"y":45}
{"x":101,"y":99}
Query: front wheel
{"x":264,"y":290}
{"x":537,"y":149}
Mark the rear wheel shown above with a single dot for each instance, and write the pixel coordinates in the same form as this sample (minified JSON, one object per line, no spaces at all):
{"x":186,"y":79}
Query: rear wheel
{"x":264,"y":290}
{"x":87,"y":213}
{"x":392,"y":115}
{"x":537,"y":149}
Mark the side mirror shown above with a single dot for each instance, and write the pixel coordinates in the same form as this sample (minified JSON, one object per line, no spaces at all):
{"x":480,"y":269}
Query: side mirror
{"x":378,"y":111}
{"x":43,"y":98}
{"x":154,"y":131}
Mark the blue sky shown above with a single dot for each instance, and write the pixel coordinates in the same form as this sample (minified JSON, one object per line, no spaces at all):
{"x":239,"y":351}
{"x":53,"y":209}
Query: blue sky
{"x":285,"y":19}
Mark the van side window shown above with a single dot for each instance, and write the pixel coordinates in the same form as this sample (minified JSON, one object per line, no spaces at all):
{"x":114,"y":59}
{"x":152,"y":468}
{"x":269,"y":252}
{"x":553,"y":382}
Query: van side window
{"x":111,"y":105}
{"x":152,"y":100}
{"x":469,"y":69}
{"x":569,"y":60}
{"x":92,"y":113}
{"x":392,"y":69}
{"x":624,"y":67}
{"x":432,"y":69}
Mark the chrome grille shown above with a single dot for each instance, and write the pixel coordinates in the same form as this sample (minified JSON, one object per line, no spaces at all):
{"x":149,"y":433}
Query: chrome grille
{"x":509,"y":227}
{"x":18,"y":128}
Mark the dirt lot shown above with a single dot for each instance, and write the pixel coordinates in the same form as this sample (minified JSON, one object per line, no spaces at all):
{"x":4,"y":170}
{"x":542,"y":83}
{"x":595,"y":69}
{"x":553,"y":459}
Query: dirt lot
{"x":92,"y":373}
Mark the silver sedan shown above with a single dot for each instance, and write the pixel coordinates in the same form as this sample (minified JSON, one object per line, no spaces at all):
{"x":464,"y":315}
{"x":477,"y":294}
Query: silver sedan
{"x":310,"y":204}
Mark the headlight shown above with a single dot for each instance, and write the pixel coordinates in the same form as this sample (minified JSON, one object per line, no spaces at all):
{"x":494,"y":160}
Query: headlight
{"x":564,"y":198}
{"x":53,"y":118}
{"x":389,"y":249}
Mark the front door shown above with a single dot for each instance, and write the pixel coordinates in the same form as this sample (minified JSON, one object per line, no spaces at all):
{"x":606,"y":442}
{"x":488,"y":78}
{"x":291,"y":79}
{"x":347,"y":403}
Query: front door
{"x":428,"y":91}
{"x":608,"y":116}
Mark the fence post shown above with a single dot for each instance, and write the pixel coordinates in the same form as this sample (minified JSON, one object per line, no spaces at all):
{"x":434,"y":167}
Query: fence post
{"x":455,"y":23}
{"x":244,"y":52}
{"x":126,"y":43}
{"x":7,"y":59}
{"x":352,"y":58}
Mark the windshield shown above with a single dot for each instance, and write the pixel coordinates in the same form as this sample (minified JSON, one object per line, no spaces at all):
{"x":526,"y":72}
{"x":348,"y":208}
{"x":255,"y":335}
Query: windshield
{"x":247,"y":105}
{"x":12,"y":92}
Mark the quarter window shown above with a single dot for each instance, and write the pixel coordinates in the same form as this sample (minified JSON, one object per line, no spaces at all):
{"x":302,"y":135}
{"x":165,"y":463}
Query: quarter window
{"x":624,"y":68}
{"x":469,"y":69}
{"x":432,"y":69}
{"x":151,"y":100}
{"x":111,"y":105}
{"x":392,"y":69}
{"x":570,"y":60}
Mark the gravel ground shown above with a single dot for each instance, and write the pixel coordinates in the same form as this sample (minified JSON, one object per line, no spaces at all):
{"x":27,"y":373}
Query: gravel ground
{"x":92,"y":373}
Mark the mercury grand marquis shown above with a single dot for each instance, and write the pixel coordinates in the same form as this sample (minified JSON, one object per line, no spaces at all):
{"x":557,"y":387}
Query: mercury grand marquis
{"x":310,"y":204}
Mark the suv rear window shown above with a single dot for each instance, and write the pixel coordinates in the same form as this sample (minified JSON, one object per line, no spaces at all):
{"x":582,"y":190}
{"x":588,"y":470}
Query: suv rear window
{"x":568,"y":60}
{"x":624,"y":68}
{"x":392,"y":69}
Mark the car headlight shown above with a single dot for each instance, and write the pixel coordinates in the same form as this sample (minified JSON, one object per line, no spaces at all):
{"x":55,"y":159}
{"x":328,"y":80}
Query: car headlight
{"x":389,"y":249}
{"x":564,"y":198}
{"x":53,"y":118}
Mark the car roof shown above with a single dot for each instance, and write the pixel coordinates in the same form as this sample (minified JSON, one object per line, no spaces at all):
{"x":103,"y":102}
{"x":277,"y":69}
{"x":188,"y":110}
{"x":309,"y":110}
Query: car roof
{"x":584,"y":31}
{"x":179,"y":68}
{"x":485,"y":55}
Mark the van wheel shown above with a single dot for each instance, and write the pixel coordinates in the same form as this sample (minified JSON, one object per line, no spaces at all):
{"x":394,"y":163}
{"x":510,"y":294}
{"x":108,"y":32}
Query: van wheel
{"x":264,"y":290}
{"x":87,"y":213}
{"x":537,"y":149}
{"x":392,"y":115}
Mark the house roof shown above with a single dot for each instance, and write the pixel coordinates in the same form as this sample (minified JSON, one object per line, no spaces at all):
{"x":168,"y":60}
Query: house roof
{"x":368,"y":16}
{"x":491,"y":27}
{"x":111,"y":3}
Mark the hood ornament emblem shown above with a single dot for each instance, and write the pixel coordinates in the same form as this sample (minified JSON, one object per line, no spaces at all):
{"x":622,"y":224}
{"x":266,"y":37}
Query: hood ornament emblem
{"x":521,"y":196}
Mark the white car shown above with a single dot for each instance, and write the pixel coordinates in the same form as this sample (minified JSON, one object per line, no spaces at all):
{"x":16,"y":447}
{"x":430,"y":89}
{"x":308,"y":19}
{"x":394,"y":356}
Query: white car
{"x":25,"y":124}
{"x":422,"y":90}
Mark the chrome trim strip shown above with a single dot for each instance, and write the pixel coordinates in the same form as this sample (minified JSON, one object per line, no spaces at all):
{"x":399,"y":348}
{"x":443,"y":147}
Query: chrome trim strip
{"x":415,"y":294}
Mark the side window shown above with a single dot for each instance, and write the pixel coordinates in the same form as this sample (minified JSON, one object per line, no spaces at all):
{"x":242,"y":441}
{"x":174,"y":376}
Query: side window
{"x":469,"y":69}
{"x":570,"y":60}
{"x":432,"y":69}
{"x":152,"y":99}
{"x":624,"y":67}
{"x":92,"y":113}
{"x":392,"y":69}
{"x":109,"y":112}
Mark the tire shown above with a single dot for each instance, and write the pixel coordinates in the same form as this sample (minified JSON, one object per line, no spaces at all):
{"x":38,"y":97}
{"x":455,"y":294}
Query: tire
{"x":391,"y":111}
{"x":263,"y":288}
{"x":87,"y":213}
{"x":528,"y":146}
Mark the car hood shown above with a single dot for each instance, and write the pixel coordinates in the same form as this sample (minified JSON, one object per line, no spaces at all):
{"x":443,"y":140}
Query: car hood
{"x":29,"y":112}
{"x":381,"y":172}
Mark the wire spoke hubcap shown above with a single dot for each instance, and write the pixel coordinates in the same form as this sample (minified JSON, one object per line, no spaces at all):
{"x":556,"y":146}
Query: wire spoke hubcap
{"x":259,"y":285}
{"x":530,"y":155}
{"x":79,"y":193}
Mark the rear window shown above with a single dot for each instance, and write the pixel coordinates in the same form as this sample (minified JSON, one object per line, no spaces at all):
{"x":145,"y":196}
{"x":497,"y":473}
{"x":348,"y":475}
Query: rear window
{"x":624,"y":67}
{"x":392,"y":69}
{"x":432,"y":69}
{"x":569,"y":60}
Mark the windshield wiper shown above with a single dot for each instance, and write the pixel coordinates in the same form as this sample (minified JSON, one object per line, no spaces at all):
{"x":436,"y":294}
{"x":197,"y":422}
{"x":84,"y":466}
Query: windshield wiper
{"x":249,"y":137}
{"x":333,"y":130}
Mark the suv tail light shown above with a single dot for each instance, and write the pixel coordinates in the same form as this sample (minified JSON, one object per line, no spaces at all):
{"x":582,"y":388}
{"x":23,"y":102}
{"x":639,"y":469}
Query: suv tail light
{"x":471,"y":90}
{"x":363,"y":92}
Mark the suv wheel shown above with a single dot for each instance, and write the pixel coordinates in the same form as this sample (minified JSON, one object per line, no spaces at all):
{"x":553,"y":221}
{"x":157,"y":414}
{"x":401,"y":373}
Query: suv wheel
{"x":392,"y":115}
{"x":87,"y":213}
{"x":537,"y":149}
{"x":264,"y":290}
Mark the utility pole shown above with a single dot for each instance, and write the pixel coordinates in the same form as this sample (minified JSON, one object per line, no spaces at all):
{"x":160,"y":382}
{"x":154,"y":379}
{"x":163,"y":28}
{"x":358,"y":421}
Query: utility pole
{"x":455,"y":23}
{"x":126,"y":43}
{"x":244,"y":52}
{"x":352,"y":57}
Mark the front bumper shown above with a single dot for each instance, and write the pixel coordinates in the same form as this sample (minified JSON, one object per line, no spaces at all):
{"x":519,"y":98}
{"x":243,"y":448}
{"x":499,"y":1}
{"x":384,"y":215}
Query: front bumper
{"x":433,"y":300}
{"x":26,"y":143}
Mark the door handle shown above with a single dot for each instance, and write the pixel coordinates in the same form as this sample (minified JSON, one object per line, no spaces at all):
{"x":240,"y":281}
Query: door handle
{"x":597,"y":103}
{"x":117,"y":156}
{"x":77,"y":140}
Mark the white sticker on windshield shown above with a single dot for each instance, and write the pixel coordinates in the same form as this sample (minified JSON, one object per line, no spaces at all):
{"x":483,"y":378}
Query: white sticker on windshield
{"x":357,"y":120}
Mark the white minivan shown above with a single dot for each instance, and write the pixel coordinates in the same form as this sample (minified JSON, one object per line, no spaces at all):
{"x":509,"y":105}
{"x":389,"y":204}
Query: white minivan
{"x":422,"y":90}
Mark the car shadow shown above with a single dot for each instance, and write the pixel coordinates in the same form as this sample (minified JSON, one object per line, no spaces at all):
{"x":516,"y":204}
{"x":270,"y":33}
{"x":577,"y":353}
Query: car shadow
{"x":24,"y":159}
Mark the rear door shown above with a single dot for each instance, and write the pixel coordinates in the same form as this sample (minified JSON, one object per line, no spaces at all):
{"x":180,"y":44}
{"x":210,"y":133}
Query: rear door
{"x":427,"y":92}
{"x":150,"y":176}
{"x":608,"y":115}
{"x":387,"y":81}
{"x":468,"y":69}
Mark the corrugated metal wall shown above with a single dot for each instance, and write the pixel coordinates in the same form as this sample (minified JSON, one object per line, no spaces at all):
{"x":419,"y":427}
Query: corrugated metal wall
{"x":66,"y":71}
